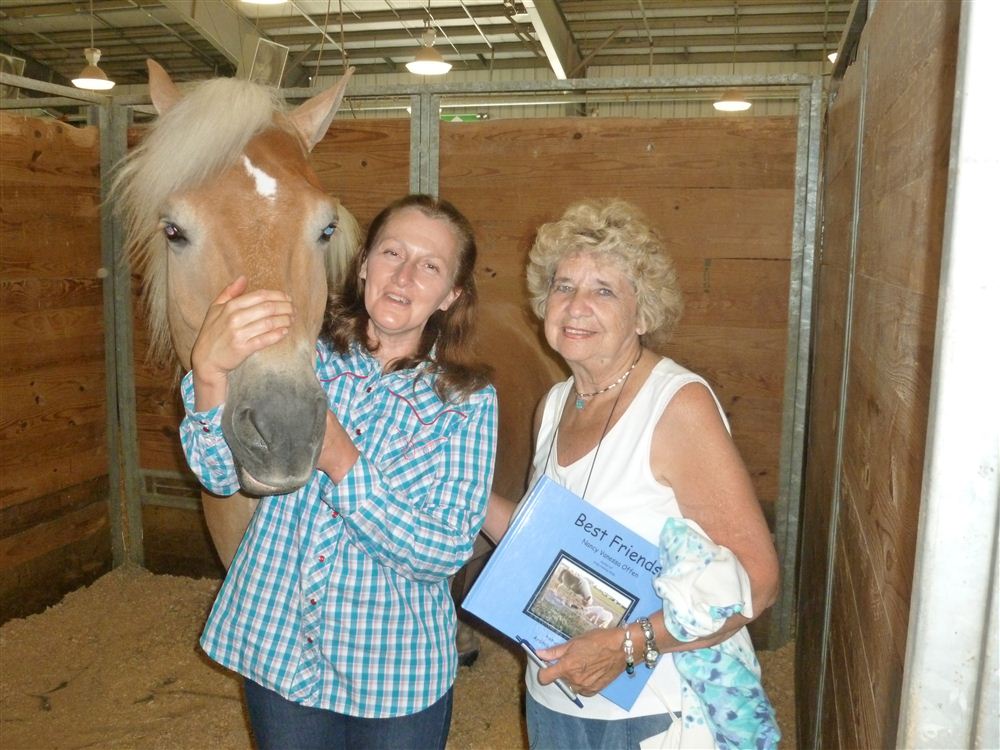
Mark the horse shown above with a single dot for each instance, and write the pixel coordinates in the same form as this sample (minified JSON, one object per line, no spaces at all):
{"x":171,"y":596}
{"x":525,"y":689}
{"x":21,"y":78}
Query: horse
{"x":221,"y":187}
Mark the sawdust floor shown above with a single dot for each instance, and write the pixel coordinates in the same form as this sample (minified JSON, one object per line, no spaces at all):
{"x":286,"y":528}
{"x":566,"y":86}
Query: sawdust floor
{"x":116,"y":665}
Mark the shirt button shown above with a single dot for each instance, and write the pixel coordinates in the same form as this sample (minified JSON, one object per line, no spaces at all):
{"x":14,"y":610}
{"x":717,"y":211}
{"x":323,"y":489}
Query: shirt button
{"x":357,"y":431}
{"x":335,"y":514}
{"x":312,"y":601}
{"x":368,"y":389}
{"x":205,"y":429}
{"x":309,"y":639}
{"x":322,"y":558}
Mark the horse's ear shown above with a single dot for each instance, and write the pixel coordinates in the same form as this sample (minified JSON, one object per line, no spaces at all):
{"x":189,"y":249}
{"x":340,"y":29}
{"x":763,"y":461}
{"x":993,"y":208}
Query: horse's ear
{"x":312,"y":118}
{"x":162,"y":90}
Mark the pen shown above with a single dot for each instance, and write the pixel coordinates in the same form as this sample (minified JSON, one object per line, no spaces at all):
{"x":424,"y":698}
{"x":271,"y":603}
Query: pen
{"x":560,"y":682}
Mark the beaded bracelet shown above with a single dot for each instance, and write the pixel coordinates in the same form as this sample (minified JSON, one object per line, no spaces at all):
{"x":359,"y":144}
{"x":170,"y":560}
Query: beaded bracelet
{"x":629,"y":654}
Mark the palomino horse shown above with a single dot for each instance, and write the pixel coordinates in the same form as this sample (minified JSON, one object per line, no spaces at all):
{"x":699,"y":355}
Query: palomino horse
{"x":218,"y":188}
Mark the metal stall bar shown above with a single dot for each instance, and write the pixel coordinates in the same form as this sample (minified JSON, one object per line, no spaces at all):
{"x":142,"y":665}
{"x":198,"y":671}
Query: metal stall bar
{"x":124,"y":497}
{"x":814,"y":733}
{"x":424,"y":142}
{"x":796,"y":396}
{"x":949,"y":693}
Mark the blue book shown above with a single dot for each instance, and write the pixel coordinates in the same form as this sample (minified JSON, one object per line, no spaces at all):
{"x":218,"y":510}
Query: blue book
{"x":565,"y":567}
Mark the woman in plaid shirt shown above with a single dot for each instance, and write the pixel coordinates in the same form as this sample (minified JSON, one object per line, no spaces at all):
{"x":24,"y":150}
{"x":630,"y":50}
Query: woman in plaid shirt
{"x":336,"y":609}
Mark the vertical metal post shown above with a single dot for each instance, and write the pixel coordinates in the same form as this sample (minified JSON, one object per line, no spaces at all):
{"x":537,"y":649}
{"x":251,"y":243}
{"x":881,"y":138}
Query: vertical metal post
{"x":838,"y":465}
{"x":425,"y":142}
{"x":125,"y":501}
{"x":949,"y":694}
{"x":795,"y":401}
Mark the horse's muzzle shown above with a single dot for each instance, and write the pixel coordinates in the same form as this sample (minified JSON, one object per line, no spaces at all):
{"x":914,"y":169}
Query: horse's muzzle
{"x":275,"y":431}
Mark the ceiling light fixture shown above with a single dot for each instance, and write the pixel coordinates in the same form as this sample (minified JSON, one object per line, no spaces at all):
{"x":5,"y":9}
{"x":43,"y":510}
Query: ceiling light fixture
{"x":832,"y":57}
{"x":265,"y":2}
{"x":92,"y":77}
{"x":428,"y":61}
{"x":731,"y":100}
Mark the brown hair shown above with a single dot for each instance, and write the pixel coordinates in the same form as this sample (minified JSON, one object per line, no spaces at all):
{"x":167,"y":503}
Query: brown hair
{"x":446,"y":341}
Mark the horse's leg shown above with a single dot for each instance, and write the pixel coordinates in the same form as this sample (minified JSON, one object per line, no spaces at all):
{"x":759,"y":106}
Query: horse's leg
{"x":227,"y":519}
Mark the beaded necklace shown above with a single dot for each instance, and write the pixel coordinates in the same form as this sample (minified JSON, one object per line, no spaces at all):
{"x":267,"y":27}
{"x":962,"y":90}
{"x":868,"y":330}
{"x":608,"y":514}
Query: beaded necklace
{"x":582,"y":398}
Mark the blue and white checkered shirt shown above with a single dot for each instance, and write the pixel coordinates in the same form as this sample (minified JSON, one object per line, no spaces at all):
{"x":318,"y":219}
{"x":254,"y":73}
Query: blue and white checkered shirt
{"x":338,"y":596}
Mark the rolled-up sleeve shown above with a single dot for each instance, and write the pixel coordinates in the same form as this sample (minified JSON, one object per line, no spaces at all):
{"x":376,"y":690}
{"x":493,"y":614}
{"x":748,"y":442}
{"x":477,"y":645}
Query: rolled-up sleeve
{"x":205,"y":447}
{"x":431,"y":536}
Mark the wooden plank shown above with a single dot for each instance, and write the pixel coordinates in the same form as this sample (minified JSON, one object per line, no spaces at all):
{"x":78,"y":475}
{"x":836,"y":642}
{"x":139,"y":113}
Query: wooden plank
{"x":48,"y":537}
{"x":735,"y":292}
{"x":34,"y":294}
{"x":49,"y":189}
{"x":59,"y":458}
{"x":38,"y":395}
{"x":47,"y":153}
{"x":18,"y":518}
{"x":912,"y":94}
{"x":711,"y":153}
{"x":43,"y":581}
{"x":364,"y":163}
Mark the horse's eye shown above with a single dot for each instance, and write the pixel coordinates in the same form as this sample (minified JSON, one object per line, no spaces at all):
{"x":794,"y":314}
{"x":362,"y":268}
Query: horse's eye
{"x":328,"y":231}
{"x":173,"y":233}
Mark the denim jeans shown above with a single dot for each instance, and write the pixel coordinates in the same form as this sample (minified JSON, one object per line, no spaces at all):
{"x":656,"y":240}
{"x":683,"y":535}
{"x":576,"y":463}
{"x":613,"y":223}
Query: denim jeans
{"x":280,"y":724}
{"x":550,"y":730}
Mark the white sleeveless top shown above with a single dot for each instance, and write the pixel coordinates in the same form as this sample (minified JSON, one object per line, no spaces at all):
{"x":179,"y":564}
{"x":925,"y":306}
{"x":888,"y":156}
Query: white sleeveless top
{"x":623,"y":486}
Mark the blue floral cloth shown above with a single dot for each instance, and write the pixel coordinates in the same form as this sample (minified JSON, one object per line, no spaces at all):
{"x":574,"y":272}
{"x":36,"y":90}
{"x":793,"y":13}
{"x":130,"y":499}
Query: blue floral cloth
{"x":702,"y":584}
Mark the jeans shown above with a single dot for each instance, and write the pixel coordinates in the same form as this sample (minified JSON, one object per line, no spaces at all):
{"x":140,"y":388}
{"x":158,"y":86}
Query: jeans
{"x":280,"y":724}
{"x":550,"y":730}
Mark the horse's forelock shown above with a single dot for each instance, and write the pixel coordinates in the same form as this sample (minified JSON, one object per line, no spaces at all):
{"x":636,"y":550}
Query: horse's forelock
{"x":203,"y":134}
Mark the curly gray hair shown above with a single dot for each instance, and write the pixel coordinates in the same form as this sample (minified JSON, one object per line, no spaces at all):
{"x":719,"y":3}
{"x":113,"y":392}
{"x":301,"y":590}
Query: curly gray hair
{"x":616,"y":230}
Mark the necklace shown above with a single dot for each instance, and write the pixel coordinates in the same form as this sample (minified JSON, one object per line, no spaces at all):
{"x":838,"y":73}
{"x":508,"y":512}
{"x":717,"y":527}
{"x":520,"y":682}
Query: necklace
{"x":582,"y":398}
{"x":600,"y":441}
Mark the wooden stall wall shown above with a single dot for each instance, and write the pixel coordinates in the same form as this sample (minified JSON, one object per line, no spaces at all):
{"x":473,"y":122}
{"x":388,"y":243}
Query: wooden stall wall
{"x":54,"y":530}
{"x":720,"y":191}
{"x":904,"y":75}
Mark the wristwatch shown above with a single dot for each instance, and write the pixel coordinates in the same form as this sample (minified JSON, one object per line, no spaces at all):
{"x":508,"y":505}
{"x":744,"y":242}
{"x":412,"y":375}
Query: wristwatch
{"x":649,"y":654}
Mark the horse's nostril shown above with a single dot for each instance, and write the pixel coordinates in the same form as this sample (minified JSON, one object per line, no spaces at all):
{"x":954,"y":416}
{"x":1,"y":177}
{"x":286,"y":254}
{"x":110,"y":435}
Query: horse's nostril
{"x":249,"y":430}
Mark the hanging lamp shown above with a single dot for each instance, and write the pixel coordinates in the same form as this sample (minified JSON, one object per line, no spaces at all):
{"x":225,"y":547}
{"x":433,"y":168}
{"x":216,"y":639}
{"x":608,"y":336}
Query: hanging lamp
{"x":732,"y":100}
{"x":92,"y":77}
{"x":428,"y":61}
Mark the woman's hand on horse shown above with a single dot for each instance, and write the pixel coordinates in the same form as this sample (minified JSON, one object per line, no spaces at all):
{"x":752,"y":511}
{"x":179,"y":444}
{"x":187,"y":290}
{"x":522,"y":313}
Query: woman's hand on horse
{"x":237,"y":324}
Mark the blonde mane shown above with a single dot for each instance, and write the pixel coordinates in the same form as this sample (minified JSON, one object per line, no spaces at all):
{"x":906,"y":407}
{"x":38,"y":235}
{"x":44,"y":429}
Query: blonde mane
{"x":202,"y":134}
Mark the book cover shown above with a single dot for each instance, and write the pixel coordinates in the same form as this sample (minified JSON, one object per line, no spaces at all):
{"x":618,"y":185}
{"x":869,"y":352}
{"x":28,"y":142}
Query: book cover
{"x":565,"y":567}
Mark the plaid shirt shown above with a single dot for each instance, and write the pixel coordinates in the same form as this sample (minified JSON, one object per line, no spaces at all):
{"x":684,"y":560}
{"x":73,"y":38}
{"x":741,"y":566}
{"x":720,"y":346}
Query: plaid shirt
{"x":338,"y":596}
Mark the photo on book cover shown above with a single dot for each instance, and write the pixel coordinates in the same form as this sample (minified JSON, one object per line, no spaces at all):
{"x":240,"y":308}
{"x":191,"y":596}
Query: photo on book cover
{"x":572,"y":598}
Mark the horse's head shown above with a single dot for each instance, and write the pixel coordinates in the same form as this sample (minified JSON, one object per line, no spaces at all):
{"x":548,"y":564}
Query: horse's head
{"x":221,"y":187}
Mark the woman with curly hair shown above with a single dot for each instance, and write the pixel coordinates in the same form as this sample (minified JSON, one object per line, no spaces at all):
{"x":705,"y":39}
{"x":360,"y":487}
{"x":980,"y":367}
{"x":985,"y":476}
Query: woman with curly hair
{"x":645,"y":440}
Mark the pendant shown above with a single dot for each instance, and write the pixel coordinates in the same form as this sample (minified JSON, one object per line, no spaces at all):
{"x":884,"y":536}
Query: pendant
{"x":580,"y":403}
